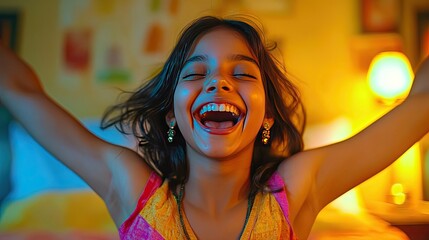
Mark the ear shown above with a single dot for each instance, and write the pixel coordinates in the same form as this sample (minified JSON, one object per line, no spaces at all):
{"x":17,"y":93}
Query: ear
{"x":268,"y":120}
{"x":170,"y":119}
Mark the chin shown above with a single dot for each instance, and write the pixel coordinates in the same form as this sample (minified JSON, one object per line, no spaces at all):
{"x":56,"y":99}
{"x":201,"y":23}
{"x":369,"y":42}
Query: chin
{"x":218,"y":151}
{"x":223,"y":151}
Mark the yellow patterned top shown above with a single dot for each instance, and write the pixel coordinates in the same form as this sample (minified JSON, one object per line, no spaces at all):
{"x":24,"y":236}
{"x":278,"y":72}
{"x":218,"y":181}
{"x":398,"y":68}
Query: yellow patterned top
{"x":159,"y":218}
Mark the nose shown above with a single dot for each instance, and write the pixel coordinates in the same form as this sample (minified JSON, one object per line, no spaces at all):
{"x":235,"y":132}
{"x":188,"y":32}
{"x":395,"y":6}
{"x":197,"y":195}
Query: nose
{"x":218,"y":85}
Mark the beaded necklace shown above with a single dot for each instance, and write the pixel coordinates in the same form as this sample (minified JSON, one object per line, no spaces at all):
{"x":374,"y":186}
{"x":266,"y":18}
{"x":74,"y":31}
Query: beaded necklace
{"x":179,"y":200}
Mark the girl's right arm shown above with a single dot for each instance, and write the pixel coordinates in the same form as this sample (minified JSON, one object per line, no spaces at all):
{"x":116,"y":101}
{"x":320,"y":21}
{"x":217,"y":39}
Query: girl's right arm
{"x":116,"y":174}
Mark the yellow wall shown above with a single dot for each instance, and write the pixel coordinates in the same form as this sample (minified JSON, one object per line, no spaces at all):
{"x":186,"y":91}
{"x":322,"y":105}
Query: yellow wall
{"x":315,"y":38}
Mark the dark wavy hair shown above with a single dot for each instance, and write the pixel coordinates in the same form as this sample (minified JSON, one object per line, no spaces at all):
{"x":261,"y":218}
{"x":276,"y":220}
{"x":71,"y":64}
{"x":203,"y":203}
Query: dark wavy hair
{"x":144,"y":111}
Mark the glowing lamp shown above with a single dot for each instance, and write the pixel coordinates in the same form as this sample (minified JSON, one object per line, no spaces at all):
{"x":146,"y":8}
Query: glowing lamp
{"x":390,"y":76}
{"x":398,"y":194}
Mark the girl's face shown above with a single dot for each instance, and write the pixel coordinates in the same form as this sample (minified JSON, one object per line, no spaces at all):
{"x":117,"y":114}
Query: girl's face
{"x":219,"y":102}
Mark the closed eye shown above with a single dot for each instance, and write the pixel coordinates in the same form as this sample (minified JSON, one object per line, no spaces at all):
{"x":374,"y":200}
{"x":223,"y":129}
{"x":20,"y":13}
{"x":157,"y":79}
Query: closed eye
{"x":238,"y":75}
{"x":194,"y":76}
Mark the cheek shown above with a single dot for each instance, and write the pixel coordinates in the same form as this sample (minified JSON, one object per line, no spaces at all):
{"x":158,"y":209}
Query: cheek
{"x":184,"y":97}
{"x":180,"y":96}
{"x":256,"y":99}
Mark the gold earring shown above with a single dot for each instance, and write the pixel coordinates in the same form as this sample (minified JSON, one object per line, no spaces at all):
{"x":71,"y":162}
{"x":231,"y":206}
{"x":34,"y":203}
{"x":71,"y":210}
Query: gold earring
{"x":266,"y":133}
{"x":171,"y":133}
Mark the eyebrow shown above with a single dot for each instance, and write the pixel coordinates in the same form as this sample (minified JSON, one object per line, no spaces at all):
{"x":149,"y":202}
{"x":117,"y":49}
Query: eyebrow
{"x":234,"y":57}
{"x":241,"y":57}
{"x":197,"y":58}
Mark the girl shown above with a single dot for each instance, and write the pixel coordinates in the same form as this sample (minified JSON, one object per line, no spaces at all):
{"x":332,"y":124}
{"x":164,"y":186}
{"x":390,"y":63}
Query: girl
{"x":220,"y":142}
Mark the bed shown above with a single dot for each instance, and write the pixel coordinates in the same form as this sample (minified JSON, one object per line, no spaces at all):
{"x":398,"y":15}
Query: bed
{"x":48,"y":201}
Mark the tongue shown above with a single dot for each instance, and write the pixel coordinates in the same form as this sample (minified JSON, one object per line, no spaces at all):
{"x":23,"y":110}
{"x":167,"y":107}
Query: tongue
{"x":219,"y":125}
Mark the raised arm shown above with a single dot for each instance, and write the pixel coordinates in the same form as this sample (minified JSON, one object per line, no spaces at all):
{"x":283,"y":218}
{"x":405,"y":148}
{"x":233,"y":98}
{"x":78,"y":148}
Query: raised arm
{"x":110,"y":170}
{"x":318,"y":176}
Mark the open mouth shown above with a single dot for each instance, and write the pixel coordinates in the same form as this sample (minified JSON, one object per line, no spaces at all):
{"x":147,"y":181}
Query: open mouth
{"x":219,"y":115}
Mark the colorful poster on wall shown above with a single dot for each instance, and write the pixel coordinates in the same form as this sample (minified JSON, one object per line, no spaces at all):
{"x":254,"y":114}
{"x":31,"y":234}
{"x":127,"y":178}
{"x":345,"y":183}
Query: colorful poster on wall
{"x":113,"y":69}
{"x":381,"y":15}
{"x":113,"y":41}
{"x":9,"y":20}
{"x":77,"y":49}
{"x":423,"y":34}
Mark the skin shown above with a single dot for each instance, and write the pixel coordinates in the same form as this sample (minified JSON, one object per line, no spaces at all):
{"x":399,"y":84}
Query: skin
{"x":215,"y":194}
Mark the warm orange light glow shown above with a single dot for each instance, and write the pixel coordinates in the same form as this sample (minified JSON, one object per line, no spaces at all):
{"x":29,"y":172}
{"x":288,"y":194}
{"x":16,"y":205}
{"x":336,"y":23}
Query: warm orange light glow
{"x":390,"y":76}
{"x":407,"y":171}
{"x":398,"y":195}
{"x":349,"y":202}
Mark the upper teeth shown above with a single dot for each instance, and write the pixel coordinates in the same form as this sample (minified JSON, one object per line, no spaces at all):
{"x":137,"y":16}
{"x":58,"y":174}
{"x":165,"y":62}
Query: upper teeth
{"x":223,"y":107}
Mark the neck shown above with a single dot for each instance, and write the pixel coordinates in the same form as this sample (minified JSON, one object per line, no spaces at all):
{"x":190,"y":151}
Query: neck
{"x":218,"y":185}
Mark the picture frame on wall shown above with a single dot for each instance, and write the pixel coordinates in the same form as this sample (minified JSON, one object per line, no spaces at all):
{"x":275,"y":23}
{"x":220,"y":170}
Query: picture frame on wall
{"x":9,"y":28}
{"x":381,"y":16}
{"x":423,"y":34}
{"x":9,"y":24}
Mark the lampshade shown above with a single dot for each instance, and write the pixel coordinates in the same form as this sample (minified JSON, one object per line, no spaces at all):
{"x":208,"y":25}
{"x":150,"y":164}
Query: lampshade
{"x":390,"y":76}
